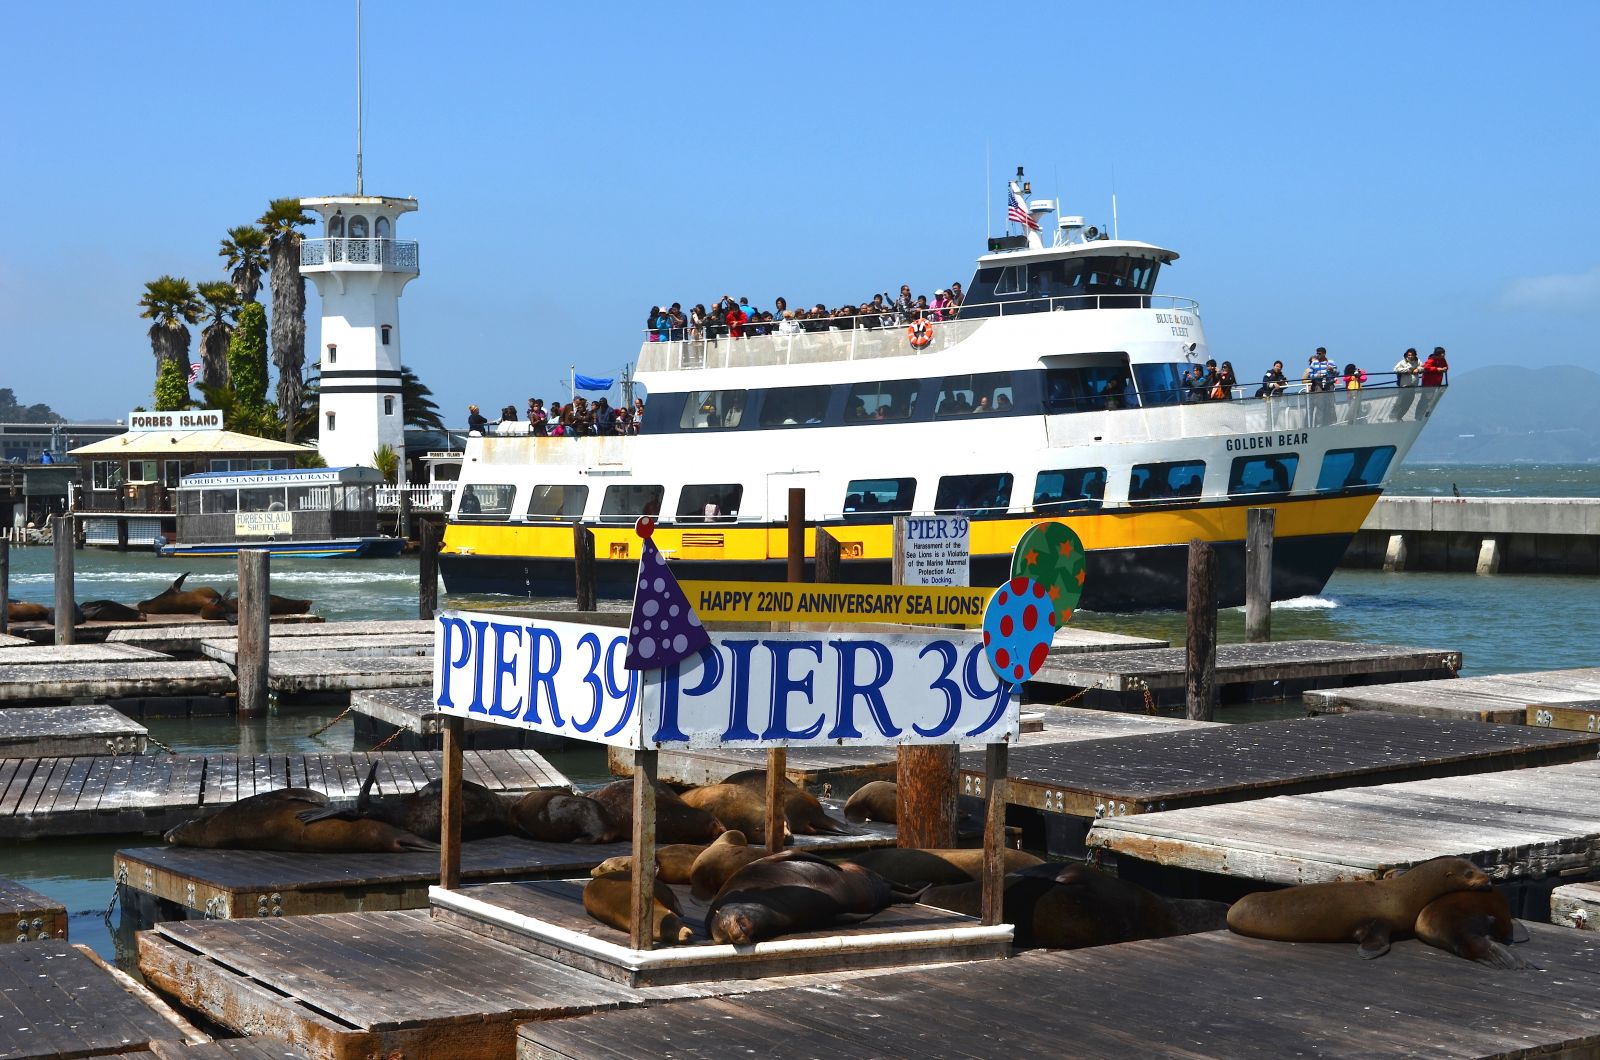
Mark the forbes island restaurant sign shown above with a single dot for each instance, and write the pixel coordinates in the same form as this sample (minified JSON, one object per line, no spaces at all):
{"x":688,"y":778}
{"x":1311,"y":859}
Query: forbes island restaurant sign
{"x":187,"y":420}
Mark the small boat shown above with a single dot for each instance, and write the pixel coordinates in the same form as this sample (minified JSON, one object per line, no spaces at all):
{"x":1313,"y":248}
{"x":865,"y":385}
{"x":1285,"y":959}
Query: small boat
{"x":313,"y":513}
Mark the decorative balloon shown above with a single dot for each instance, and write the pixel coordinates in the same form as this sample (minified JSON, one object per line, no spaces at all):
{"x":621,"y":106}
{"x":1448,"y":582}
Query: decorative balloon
{"x":1051,"y":554}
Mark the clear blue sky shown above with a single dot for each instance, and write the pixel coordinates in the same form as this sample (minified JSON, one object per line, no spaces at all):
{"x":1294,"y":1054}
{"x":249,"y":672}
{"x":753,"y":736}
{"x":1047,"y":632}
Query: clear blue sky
{"x":1360,"y":176}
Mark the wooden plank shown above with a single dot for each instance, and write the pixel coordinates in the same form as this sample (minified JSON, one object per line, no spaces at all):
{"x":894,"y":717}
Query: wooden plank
{"x":28,"y":916}
{"x":382,"y":645}
{"x":111,"y":680}
{"x":61,"y":654}
{"x":67,"y":1004}
{"x":1584,"y":718}
{"x":300,"y":672}
{"x":59,"y":732}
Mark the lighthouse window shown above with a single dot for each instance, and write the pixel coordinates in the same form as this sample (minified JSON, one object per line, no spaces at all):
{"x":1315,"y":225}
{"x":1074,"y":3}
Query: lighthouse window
{"x":967,"y":394}
{"x":712,"y":408}
{"x":561,"y":502}
{"x":336,"y":225}
{"x":1076,"y":489}
{"x":710,"y":504}
{"x":625,"y":503}
{"x":1263,"y":474}
{"x":388,"y":404}
{"x":1344,"y":469}
{"x":358,"y":227}
{"x":381,"y":228}
{"x":888,"y":399}
{"x":977,"y":494}
{"x":385,"y":330}
{"x":1165,"y":482}
{"x":794,"y":406}
{"x":869,"y":497}
{"x":333,"y":353}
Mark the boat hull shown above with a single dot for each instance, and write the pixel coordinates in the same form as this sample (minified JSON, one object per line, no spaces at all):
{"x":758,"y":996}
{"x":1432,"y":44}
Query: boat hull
{"x":338,"y":548}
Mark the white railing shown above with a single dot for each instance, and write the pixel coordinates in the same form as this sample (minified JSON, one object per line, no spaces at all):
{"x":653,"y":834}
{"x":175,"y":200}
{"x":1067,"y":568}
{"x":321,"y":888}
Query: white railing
{"x":389,"y":253}
{"x":435,"y":497}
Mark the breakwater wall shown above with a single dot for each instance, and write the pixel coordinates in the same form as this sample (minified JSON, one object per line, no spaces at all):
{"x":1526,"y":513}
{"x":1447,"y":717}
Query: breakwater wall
{"x":1510,"y":535}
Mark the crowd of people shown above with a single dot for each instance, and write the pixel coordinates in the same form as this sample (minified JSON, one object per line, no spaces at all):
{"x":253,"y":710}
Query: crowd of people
{"x":578,"y":418}
{"x":732,"y":319}
{"x":1213,"y":382}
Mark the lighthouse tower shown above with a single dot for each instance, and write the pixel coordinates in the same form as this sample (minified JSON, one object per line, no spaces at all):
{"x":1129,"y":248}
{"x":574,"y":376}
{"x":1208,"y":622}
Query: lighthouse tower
{"x":359,"y":268}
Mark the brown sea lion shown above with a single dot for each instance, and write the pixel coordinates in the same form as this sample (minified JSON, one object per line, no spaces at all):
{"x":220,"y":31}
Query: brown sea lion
{"x":673,"y":862}
{"x":872,"y":802}
{"x":1367,"y":912}
{"x":271,"y":821}
{"x":176,"y":600}
{"x":557,"y":817}
{"x":939,"y":866}
{"x":226,"y":607}
{"x":734,"y":806}
{"x":793,"y":891}
{"x":1476,"y":925}
{"x":730,"y":853}
{"x":108,"y":611}
{"x":22,"y":611}
{"x":1072,"y":906}
{"x":801,"y":809}
{"x":676,"y":820}
{"x":483,"y":813}
{"x":609,"y":898}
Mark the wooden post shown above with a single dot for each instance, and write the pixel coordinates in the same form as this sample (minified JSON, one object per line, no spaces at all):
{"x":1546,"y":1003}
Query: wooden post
{"x":122,"y":535}
{"x":403,"y":504}
{"x":1200,"y":685}
{"x":585,"y":592}
{"x":995,"y":766}
{"x":645,"y":772}
{"x":927,"y":778}
{"x":1258,"y":574}
{"x":797,"y":535}
{"x":5,"y":585}
{"x":428,"y":571}
{"x":450,"y":804}
{"x":255,"y":620}
{"x":778,"y":757}
{"x":827,"y":568}
{"x":61,"y":532}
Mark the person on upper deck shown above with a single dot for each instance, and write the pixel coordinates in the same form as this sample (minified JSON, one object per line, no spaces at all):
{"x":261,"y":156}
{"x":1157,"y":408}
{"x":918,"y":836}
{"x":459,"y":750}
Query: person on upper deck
{"x":475,"y":420}
{"x":1274,"y":382}
{"x":1323,"y":372}
{"x":1407,"y":370}
{"x":905,"y":306}
{"x":1435,"y":368}
{"x":956,"y":297}
{"x":1192,"y":384}
{"x":1226,"y":381}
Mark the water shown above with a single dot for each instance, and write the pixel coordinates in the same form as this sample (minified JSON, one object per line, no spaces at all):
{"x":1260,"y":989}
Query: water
{"x":1500,"y":624}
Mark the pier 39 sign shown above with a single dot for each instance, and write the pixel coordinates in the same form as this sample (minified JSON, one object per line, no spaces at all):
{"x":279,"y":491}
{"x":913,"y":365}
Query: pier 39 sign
{"x":744,"y":690}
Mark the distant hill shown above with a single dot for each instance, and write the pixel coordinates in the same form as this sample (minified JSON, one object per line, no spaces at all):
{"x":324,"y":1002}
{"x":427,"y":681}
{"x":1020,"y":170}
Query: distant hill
{"x":12,"y":411}
{"x":1503,"y":415}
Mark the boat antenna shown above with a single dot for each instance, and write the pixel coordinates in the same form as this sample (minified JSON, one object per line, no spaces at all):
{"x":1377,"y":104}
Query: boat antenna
{"x":988,"y":216}
{"x":358,"y":98}
{"x":1114,"y":234}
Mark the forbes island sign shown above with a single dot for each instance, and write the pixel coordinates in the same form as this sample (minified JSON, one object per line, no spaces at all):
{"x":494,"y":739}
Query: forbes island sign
{"x":187,"y":420}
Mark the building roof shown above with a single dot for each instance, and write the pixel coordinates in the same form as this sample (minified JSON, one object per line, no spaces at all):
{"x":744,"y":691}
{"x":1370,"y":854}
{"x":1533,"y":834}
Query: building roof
{"x":187,"y":443}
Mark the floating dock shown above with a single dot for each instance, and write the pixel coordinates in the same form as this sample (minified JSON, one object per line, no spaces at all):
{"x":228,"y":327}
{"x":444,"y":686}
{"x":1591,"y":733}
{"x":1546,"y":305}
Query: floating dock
{"x":123,"y":678}
{"x":380,"y":712}
{"x":360,"y":645}
{"x":183,"y":635}
{"x":28,"y":916}
{"x":7,"y":640}
{"x":97,"y":632}
{"x":307,"y":672}
{"x":66,"y":732}
{"x":1074,"y":640}
{"x":59,"y":654}
{"x":1502,"y":698}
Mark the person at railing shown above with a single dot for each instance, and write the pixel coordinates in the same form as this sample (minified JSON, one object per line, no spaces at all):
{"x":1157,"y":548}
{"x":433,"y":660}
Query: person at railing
{"x":904,"y":306}
{"x":678,"y":323}
{"x":734,"y":317}
{"x":1407,"y":370}
{"x":1435,"y":368}
{"x":1322,"y":372}
{"x":789,"y":325}
{"x":698,"y":321}
{"x":650,"y":322}
{"x":476,"y":423}
{"x":921,"y":308}
{"x":1193,"y":385}
{"x":638,"y":414}
{"x":1273,"y":382}
{"x":941,"y":303}
{"x":508,"y":414}
{"x":956,"y":297}
{"x":538,"y":420}
{"x":1222,"y":389}
{"x":1353,"y":377}
{"x":780,"y":306}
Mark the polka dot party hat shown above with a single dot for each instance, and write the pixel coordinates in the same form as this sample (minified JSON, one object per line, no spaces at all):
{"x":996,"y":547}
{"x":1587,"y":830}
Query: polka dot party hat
{"x":665,"y":628}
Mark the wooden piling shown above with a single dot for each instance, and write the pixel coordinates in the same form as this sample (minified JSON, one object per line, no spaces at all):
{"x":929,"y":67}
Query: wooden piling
{"x":927,"y":779}
{"x":778,"y":757}
{"x":403,"y":508}
{"x":428,"y":571}
{"x":797,"y":535}
{"x":1200,"y":664}
{"x":5,"y":586}
{"x":996,"y":764}
{"x":646,"y":769}
{"x":1258,"y":574}
{"x":585,"y":590}
{"x":827,"y":565}
{"x":61,"y":532}
{"x":450,"y":803}
{"x":255,"y":620}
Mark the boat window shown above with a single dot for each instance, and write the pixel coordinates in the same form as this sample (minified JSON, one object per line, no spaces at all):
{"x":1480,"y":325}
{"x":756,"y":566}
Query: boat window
{"x":714,"y":503}
{"x":712,"y":408}
{"x":625,"y":503}
{"x":218,"y":502}
{"x":1078,"y":489}
{"x":963,"y":394}
{"x":869,"y":497}
{"x":562,"y":502}
{"x":1013,"y":279}
{"x":977,"y":494}
{"x":1164,"y":482}
{"x":1159,"y":384}
{"x":886,"y":399}
{"x":310,"y":498}
{"x":107,"y":474}
{"x":188,"y":502}
{"x":1344,"y":469}
{"x":1090,"y":388}
{"x":1263,"y":474}
{"x":262,"y":499}
{"x":486,"y":502}
{"x":794,"y":406}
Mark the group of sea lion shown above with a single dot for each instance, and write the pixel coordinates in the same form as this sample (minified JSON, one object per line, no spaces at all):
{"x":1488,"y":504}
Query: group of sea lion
{"x":204,"y":601}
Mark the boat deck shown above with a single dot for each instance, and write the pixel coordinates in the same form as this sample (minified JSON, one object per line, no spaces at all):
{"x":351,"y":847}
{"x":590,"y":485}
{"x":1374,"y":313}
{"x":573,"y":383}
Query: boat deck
{"x":65,"y":732}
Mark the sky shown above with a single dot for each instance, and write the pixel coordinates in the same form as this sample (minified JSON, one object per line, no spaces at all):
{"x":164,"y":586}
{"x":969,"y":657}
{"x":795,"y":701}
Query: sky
{"x":1364,"y":177}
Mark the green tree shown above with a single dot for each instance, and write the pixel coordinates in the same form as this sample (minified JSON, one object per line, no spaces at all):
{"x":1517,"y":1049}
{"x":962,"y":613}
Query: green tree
{"x":172,"y":386}
{"x":170,"y":302}
{"x":221,"y":300}
{"x":387,"y":461}
{"x":280,"y":224}
{"x":246,"y":252}
{"x":416,"y":401}
{"x":247,"y":357}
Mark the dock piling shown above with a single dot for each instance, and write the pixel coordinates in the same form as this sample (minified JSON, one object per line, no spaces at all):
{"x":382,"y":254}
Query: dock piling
{"x":927,"y":779}
{"x":996,"y":766}
{"x":428,"y":571}
{"x":778,"y":757}
{"x":5,"y":586}
{"x":255,"y":620}
{"x":1258,"y":574}
{"x":585,"y":590}
{"x":646,"y":768}
{"x":62,"y":532}
{"x":827,"y":571}
{"x":450,"y":803}
{"x":1200,"y":685}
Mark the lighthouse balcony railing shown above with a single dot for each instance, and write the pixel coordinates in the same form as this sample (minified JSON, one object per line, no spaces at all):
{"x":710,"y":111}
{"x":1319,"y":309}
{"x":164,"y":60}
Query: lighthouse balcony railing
{"x":398,"y":254}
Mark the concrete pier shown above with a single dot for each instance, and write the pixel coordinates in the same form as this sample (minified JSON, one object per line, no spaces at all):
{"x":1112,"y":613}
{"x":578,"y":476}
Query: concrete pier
{"x":1510,"y":535}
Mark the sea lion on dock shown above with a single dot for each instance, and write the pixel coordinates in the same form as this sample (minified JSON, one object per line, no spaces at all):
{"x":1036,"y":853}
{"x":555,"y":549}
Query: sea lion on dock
{"x":483,"y":812}
{"x":22,"y":611}
{"x":734,"y":806}
{"x":109,"y":611}
{"x":1367,"y":912}
{"x":872,"y":802}
{"x":676,"y":820}
{"x":176,"y":600}
{"x":271,"y":821}
{"x":801,"y":809}
{"x":226,"y":607}
{"x":793,"y":891}
{"x":1476,"y":925}
{"x":939,"y":866}
{"x":608,"y":898}
{"x":674,"y":862}
{"x":557,"y":817}
{"x":719,"y":861}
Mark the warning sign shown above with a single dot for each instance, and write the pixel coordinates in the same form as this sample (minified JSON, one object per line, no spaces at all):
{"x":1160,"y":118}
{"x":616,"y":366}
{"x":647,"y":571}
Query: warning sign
{"x":936,"y":549}
{"x":785,"y":602}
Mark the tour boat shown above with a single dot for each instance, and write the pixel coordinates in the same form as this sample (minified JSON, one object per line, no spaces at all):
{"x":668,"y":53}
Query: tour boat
{"x":1054,"y":393}
{"x":314,"y":513}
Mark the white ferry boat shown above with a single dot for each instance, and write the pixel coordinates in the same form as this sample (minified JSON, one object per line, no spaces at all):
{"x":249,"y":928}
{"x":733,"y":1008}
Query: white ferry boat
{"x":1054,"y":393}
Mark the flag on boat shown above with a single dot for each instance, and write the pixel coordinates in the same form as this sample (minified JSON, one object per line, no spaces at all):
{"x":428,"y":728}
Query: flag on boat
{"x":592,"y":382}
{"x":1019,"y":213}
{"x":194,"y":371}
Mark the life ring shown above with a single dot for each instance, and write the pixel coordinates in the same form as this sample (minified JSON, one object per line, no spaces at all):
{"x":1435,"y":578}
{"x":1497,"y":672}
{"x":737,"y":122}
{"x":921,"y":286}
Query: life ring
{"x":920,"y":334}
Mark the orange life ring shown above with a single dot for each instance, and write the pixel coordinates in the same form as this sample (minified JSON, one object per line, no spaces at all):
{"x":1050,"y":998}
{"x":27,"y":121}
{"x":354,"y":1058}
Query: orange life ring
{"x":920,"y":334}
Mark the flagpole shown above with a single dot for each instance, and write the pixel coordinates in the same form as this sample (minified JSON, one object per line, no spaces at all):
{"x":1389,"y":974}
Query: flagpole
{"x":572,"y":382}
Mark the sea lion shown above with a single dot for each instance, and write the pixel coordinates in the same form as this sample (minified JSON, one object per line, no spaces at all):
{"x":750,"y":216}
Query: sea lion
{"x":793,"y":891}
{"x":673,"y":862}
{"x":483,"y":813}
{"x":608,"y":898}
{"x":1367,"y":912}
{"x":872,"y":802}
{"x":801,"y":809}
{"x":730,"y":853}
{"x":176,"y":600}
{"x":557,"y":817}
{"x":271,"y":821}
{"x":1476,"y":925}
{"x":226,"y":607}
{"x":734,"y":806}
{"x":108,"y":611}
{"x":939,"y":866}
{"x":22,"y":611}
{"x":676,"y":820}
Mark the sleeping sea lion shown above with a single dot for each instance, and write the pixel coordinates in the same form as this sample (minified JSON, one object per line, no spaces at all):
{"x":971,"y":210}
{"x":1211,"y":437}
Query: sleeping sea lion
{"x":676,"y":820}
{"x":801,"y":809}
{"x":872,"y":802}
{"x":176,"y":600}
{"x":557,"y":817}
{"x":939,"y":866}
{"x":226,"y":607}
{"x":108,"y":611}
{"x":673,"y":862}
{"x":734,"y":806}
{"x":271,"y":821}
{"x":1476,"y":925}
{"x":793,"y":891}
{"x":1367,"y":912}
{"x":609,"y":898}
{"x":483,"y":812}
{"x":730,"y":853}
{"x":22,"y":611}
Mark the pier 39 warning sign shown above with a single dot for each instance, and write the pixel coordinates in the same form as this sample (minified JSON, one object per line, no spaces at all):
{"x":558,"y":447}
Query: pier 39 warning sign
{"x":789,"y":602}
{"x":742,"y":690}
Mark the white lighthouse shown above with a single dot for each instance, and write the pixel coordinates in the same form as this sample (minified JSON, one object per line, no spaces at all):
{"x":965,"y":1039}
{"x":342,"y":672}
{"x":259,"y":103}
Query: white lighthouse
{"x":360,"y":268}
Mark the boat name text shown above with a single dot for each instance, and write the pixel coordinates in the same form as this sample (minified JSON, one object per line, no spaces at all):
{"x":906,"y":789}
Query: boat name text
{"x":1267,"y":441}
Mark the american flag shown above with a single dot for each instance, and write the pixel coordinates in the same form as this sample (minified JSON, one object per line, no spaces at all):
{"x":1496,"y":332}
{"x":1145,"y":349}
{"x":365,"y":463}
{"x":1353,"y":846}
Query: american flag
{"x":1018,"y":212}
{"x":194,"y":367}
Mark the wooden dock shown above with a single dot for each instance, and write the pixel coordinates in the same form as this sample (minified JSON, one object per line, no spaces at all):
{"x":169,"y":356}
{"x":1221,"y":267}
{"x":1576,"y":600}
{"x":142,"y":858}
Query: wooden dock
{"x":43,"y":633}
{"x":8,"y":640}
{"x":58,"y":654}
{"x":28,"y":916}
{"x":1502,"y":698}
{"x":364,"y":645}
{"x":127,"y":677}
{"x":148,"y":794}
{"x":303,"y":672}
{"x":1074,"y":640}
{"x":1523,"y":824}
{"x":1211,"y":995}
{"x":66,"y":732}
{"x":182,"y":635}
{"x":1244,"y":671}
{"x":379,"y":712}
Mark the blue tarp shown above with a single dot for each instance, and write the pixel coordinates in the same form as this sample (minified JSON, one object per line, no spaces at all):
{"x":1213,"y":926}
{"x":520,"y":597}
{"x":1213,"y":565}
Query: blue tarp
{"x":592,"y":382}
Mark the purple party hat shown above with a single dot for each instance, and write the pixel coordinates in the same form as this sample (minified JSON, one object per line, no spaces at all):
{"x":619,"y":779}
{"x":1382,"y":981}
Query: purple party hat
{"x":664,"y":628}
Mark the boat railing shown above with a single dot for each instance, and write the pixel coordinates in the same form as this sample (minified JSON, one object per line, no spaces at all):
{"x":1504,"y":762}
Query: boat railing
{"x":432,"y":497}
{"x":390,"y":253}
{"x":863,"y":336}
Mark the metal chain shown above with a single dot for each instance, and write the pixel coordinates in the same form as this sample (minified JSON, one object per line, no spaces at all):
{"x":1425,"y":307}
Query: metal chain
{"x":165,"y":747}
{"x":332,"y":723}
{"x":389,"y":739}
{"x":1149,"y":702}
{"x":1079,"y":694}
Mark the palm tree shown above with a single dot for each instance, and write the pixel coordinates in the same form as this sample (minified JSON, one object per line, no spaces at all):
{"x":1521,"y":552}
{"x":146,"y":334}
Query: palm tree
{"x":246,"y":252}
{"x":170,"y":302}
{"x":279,"y":223}
{"x":221,"y":300}
{"x":416,"y":402}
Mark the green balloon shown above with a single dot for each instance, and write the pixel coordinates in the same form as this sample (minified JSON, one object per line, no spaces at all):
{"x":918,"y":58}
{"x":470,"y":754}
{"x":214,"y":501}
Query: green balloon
{"x":1052,"y":555}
